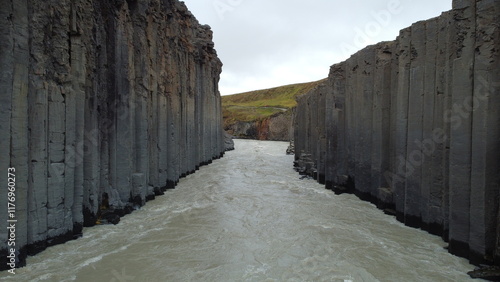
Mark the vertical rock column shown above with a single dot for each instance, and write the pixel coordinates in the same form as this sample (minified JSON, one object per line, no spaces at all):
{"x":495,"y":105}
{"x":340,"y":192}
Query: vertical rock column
{"x":321,"y":123}
{"x":485,"y":102}
{"x":300,"y":132}
{"x":352,"y":69}
{"x":313,"y":126}
{"x":39,"y":106}
{"x":462,"y":67}
{"x":414,"y":156}
{"x":363,"y":138}
{"x":439,"y":186}
{"x":400,"y":111}
{"x":331,"y":127}
{"x":19,"y":155}
{"x":78,"y":73}
{"x":14,"y":119}
{"x":381,"y":124}
{"x":428,"y":144}
{"x":7,"y":61}
{"x":335,"y":123}
{"x":122,"y":136}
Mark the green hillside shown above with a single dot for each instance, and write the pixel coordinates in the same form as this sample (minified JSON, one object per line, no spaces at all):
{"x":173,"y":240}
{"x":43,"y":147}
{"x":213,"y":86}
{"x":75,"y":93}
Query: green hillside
{"x":260,"y":104}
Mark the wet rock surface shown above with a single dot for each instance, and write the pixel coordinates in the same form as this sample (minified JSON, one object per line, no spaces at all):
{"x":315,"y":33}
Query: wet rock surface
{"x":291,"y":148}
{"x":228,"y":141}
{"x":491,"y":273}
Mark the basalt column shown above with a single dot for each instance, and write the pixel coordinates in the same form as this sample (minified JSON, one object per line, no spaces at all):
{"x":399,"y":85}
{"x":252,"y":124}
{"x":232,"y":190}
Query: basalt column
{"x":413,"y":126}
{"x":105,"y":105}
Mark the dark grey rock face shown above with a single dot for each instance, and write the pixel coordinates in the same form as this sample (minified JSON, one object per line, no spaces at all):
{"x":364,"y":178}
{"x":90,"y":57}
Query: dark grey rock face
{"x":228,"y":141}
{"x":413,"y":126}
{"x":104,"y":105}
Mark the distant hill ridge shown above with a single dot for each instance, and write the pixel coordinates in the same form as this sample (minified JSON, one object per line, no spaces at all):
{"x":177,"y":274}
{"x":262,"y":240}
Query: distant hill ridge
{"x":247,"y":115}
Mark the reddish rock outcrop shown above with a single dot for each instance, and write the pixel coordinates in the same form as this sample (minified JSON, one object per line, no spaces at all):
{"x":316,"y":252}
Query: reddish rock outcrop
{"x":278,"y":127}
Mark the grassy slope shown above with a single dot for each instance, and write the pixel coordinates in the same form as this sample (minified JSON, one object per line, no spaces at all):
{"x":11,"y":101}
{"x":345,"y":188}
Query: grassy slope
{"x":256,"y":105}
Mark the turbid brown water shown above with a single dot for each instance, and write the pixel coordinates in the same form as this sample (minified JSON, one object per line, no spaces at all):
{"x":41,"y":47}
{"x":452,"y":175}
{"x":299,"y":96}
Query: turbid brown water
{"x":249,"y":217}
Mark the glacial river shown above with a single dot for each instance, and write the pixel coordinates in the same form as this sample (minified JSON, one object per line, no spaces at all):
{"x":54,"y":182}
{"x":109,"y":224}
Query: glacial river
{"x":249,"y":217}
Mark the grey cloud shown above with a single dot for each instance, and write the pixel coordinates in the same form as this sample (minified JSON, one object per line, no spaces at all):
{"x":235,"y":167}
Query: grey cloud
{"x":256,"y":38}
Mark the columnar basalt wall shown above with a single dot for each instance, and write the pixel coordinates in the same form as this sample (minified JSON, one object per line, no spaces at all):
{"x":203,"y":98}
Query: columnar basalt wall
{"x":104,"y":105}
{"x":413,"y":125}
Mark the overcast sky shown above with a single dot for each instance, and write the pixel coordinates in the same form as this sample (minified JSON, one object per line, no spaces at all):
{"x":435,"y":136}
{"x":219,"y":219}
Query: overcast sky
{"x":268,"y":43}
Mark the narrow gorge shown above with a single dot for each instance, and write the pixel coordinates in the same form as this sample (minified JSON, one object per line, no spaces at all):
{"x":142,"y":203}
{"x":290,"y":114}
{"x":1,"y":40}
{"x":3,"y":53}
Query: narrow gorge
{"x":413,"y":126}
{"x":104,"y":105}
{"x":108,"y":104}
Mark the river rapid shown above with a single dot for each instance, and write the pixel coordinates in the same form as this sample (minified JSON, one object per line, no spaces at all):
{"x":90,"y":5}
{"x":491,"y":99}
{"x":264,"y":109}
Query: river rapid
{"x":249,"y":217}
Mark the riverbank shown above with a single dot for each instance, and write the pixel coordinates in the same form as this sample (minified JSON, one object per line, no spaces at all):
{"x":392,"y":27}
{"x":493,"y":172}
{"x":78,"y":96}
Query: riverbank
{"x":249,"y":216}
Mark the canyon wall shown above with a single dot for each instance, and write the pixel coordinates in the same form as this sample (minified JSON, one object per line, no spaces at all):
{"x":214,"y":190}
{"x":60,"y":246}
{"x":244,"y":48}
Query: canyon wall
{"x":278,"y":127}
{"x":413,"y":125}
{"x":104,"y":105}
